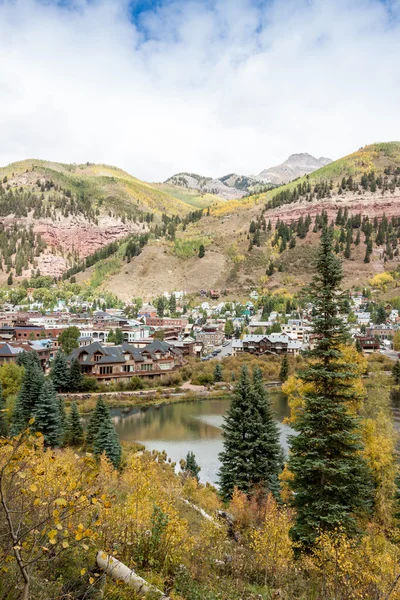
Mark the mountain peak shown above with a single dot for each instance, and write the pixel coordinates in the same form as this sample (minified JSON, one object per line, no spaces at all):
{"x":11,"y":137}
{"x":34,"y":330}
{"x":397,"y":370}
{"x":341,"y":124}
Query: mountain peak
{"x":295,"y":166}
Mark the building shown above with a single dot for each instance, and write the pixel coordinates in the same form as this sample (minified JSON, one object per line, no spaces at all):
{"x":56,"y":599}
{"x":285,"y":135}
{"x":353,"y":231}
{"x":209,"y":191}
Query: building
{"x":274,"y":343}
{"x":210,"y":336}
{"x":368,"y":344}
{"x":179,"y":323}
{"x":10,"y":352}
{"x":110,"y":364}
{"x":383,"y":332}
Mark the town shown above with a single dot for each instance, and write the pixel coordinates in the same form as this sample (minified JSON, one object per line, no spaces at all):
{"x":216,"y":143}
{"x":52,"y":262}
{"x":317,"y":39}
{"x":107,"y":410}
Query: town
{"x":111,"y":345}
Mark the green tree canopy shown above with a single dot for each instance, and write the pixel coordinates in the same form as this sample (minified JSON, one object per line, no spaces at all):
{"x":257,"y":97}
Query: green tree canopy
{"x":68,"y":339}
{"x":331,"y":483}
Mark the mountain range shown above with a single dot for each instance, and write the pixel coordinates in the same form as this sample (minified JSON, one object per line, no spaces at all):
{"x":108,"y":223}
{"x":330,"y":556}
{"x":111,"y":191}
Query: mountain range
{"x":233,"y":186}
{"x":109,"y":229}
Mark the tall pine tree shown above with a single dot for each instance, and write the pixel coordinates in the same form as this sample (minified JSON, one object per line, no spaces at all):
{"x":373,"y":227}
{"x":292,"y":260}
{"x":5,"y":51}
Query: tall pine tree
{"x":284,"y":372}
{"x":32,"y":383}
{"x":75,"y":376}
{"x":332,"y":485}
{"x":74,"y":434}
{"x":107,"y":442}
{"x":252,"y":456}
{"x":59,"y":372}
{"x":97,"y":418}
{"x":47,"y":415}
{"x":267,"y":454}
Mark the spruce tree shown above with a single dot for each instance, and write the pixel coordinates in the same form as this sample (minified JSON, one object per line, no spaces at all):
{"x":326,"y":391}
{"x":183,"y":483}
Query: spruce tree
{"x":267,"y":454}
{"x":331,"y":483}
{"x":3,"y":415}
{"x":252,"y":456}
{"x":59,"y":372}
{"x":107,"y":441}
{"x":191,"y":466}
{"x":32,"y":383}
{"x":218,"y":373}
{"x":63,"y":419}
{"x":235,"y":431}
{"x":74,"y":435}
{"x":98,"y":416}
{"x":284,"y":372}
{"x":75,"y":376}
{"x":47,"y":415}
{"x":202,"y":251}
{"x":358,"y":346}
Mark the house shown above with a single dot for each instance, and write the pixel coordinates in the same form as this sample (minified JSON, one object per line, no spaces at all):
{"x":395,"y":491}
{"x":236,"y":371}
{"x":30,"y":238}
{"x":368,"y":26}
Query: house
{"x":296,"y":329}
{"x":10,"y":352}
{"x":110,"y":364}
{"x":274,"y":343}
{"x":368,"y":344}
{"x":383,"y":332}
{"x":211,"y":335}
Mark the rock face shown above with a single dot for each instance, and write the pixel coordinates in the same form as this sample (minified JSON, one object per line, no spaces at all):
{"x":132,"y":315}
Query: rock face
{"x":72,"y":236}
{"x":295,"y":166}
{"x":82,"y":237}
{"x":207,"y":185}
{"x":368,"y":204}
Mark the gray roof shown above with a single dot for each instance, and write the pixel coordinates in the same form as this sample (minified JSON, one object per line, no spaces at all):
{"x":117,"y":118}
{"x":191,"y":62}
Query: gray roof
{"x":116,"y":354}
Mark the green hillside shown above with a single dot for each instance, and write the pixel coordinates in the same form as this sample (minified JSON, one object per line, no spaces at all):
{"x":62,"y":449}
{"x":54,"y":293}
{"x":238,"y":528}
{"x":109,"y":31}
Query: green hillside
{"x":104,"y":187}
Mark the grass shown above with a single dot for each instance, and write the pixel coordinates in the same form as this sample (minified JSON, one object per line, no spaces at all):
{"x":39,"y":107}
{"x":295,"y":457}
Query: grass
{"x":104,"y":269}
{"x":188,"y":247}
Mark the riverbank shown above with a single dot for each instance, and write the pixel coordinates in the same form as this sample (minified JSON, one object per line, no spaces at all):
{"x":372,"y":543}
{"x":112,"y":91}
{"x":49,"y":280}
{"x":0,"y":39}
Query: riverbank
{"x":152,"y":397}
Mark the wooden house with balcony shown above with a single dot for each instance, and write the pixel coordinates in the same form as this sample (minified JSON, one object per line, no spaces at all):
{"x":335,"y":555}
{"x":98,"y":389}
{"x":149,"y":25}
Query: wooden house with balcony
{"x":119,"y":363}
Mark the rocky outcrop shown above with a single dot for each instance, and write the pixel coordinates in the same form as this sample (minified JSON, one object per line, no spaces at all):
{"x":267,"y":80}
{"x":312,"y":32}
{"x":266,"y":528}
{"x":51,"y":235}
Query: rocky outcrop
{"x":72,"y":236}
{"x":295,"y":166}
{"x":371,"y":205}
{"x":206,"y":185}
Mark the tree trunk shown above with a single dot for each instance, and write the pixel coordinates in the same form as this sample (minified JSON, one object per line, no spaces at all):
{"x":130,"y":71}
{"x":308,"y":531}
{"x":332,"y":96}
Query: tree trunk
{"x":120,"y":572}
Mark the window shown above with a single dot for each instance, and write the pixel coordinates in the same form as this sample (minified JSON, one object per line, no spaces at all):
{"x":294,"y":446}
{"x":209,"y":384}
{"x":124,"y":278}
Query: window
{"x":97,"y":357}
{"x":105,"y":370}
{"x":147,"y":367}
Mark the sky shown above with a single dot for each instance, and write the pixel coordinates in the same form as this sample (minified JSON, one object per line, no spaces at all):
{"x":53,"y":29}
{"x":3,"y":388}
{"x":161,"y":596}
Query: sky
{"x":213,"y":87}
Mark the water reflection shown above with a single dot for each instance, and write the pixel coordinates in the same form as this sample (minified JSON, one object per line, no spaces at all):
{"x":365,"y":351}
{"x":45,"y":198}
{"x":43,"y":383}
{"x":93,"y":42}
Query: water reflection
{"x":178,"y":428}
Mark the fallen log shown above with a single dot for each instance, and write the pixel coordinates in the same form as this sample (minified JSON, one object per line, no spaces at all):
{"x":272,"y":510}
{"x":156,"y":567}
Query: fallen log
{"x":203,"y":513}
{"x":120,"y":572}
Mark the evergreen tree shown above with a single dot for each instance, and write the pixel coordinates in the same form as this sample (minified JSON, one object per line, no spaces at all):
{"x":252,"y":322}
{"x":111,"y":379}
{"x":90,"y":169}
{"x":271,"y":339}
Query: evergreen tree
{"x":172,"y":305}
{"x":75,"y":376}
{"x":191,"y":466}
{"x":118,"y":337}
{"x":74,"y":436}
{"x":217,"y":373}
{"x":3,"y":415}
{"x":47,"y":415}
{"x":59,"y":372}
{"x":63,"y":418}
{"x":98,"y":416}
{"x":358,"y":346}
{"x":107,"y":441}
{"x":267,"y":460}
{"x":202,"y":251}
{"x":252,"y":456}
{"x":284,"y":372}
{"x":331,"y":481}
{"x":28,"y":396}
{"x":396,"y":372}
{"x":381,"y":315}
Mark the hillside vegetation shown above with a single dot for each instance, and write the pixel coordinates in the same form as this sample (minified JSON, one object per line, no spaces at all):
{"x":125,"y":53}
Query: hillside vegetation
{"x":69,"y":212}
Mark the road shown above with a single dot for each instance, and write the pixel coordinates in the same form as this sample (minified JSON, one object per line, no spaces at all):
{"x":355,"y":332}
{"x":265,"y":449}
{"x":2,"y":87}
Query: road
{"x":390,"y":354}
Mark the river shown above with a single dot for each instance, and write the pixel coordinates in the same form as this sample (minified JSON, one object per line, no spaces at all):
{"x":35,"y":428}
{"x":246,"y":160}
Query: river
{"x":180,"y":427}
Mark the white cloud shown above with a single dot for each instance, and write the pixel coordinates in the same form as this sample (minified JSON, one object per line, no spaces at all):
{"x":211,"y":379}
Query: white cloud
{"x":208,"y":86}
